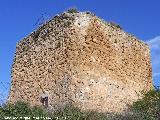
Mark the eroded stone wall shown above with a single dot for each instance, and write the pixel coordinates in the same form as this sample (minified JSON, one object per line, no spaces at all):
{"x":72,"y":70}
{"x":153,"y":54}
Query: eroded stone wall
{"x":79,"y":59}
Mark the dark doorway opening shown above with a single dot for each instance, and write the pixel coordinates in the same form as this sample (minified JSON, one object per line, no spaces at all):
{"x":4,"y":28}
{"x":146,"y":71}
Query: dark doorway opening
{"x":44,"y":100}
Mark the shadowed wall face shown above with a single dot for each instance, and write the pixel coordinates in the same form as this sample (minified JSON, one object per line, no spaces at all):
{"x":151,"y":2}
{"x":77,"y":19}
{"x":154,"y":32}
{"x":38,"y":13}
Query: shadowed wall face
{"x":79,"y":59}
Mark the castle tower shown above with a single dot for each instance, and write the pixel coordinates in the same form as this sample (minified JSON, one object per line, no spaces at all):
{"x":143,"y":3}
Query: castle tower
{"x":78,"y":58}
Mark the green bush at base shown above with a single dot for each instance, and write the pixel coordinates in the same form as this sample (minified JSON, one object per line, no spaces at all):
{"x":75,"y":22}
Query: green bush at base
{"x":20,"y":110}
{"x":147,"y":108}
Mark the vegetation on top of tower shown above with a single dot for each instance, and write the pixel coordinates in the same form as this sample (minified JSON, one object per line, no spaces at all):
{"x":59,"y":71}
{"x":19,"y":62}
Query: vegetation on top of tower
{"x":112,"y":24}
{"x":72,"y":10}
{"x":115,"y":25}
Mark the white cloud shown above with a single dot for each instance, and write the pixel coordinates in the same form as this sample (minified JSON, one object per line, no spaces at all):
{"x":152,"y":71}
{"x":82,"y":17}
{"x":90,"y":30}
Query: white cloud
{"x":155,"y":56}
{"x":154,"y":43}
{"x":156,"y":74}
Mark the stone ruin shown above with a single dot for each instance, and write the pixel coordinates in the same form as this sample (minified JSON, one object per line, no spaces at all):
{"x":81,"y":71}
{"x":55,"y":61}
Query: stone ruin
{"x":79,"y":59}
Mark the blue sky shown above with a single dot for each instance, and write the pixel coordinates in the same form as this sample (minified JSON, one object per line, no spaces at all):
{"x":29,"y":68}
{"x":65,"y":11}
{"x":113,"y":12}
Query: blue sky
{"x":18,"y":19}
